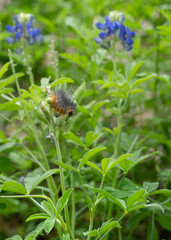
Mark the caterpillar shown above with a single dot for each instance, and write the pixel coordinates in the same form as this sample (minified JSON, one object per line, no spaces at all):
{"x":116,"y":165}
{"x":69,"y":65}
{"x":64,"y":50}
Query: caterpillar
{"x":61,"y":103}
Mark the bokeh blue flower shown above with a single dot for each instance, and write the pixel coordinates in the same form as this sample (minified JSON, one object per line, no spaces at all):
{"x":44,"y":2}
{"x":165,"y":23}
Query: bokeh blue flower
{"x":112,"y":27}
{"x":24,"y":30}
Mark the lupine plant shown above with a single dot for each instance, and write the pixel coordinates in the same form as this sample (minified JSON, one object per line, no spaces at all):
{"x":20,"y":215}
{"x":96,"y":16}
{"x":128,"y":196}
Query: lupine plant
{"x":73,"y":161}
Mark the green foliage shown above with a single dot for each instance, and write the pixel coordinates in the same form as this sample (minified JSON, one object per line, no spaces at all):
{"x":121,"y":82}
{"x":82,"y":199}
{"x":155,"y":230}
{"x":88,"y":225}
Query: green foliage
{"x":103,"y":173}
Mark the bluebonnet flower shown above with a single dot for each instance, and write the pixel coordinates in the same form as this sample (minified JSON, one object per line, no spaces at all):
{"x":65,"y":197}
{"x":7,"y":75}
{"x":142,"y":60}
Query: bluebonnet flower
{"x":113,"y":26}
{"x":24,"y":29}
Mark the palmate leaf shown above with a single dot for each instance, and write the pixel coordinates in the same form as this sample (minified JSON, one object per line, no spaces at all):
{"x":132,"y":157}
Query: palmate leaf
{"x":132,"y":69}
{"x":131,"y":162}
{"x":71,"y":136}
{"x":12,"y":186}
{"x":9,"y":80}
{"x":109,"y":225}
{"x":118,"y":202}
{"x":49,"y":224}
{"x":137,"y":197}
{"x":90,"y":138}
{"x":48,"y":208}
{"x":90,"y":154}
{"x":66,"y":166}
{"x":37,"y":216}
{"x":32,"y":182}
{"x":15,"y":237}
{"x":61,"y":81}
{"x":4,"y":69}
{"x":35,"y":233}
{"x":63,"y":201}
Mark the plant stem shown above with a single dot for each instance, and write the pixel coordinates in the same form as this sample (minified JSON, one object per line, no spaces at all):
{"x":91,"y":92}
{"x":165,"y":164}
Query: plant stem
{"x":73,"y":206}
{"x":50,"y":181}
{"x":14,"y":73}
{"x":58,"y":151}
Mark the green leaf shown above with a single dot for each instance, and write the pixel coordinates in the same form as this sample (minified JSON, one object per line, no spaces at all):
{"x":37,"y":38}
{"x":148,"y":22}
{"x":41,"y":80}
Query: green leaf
{"x":108,"y":130}
{"x":44,"y":82}
{"x":136,"y":90}
{"x":83,"y":110}
{"x":141,"y":80}
{"x":155,"y":206}
{"x":90,"y":154}
{"x":61,"y":81}
{"x":105,"y":163}
{"x":12,"y":186}
{"x":98,"y":105}
{"x":6,"y":146}
{"x":135,"y":198}
{"x":90,"y":138}
{"x":104,"y":193}
{"x":49,"y":224}
{"x":65,"y":166}
{"x":149,"y":187}
{"x":32,"y":182}
{"x":93,"y":165}
{"x":137,"y":207}
{"x":134,"y":70}
{"x":109,"y":225}
{"x":6,"y":90}
{"x":2,"y":137}
{"x":93,"y":233}
{"x":9,"y":80}
{"x":111,"y":84}
{"x":118,"y":160}
{"x":15,"y":237}
{"x":4,"y":69}
{"x":138,"y":161}
{"x":36,"y":232}
{"x":71,"y":136}
{"x":116,"y":130}
{"x":37,"y":216}
{"x":164,"y":219}
{"x":100,"y":82}
{"x":63,"y":200}
{"x":166,"y":192}
{"x":48,"y":208}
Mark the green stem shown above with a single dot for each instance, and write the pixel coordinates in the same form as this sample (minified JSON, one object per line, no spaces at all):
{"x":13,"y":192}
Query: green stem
{"x":73,"y":206}
{"x":34,"y":157}
{"x":58,"y":151}
{"x":50,"y":181}
{"x":14,"y":73}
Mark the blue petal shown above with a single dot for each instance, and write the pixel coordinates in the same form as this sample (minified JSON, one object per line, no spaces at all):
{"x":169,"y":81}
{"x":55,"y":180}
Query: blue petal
{"x":29,"y":25}
{"x":18,"y":35}
{"x":34,"y":32}
{"x":128,"y":48}
{"x":122,"y":33}
{"x":10,"y":28}
{"x":103,"y":35}
{"x":107,"y":21}
{"x":131,"y":34}
{"x":129,"y":41}
{"x":19,"y":27}
{"x":31,"y":18}
{"x":98,"y":40}
{"x":15,"y":19}
{"x":101,"y":26}
{"x":39,"y":38}
{"x":122,"y":18}
{"x":9,"y":40}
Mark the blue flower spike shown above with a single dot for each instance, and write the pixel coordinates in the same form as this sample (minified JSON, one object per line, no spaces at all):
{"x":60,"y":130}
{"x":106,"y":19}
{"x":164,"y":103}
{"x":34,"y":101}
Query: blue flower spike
{"x":114,"y":26}
{"x":24,"y":30}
